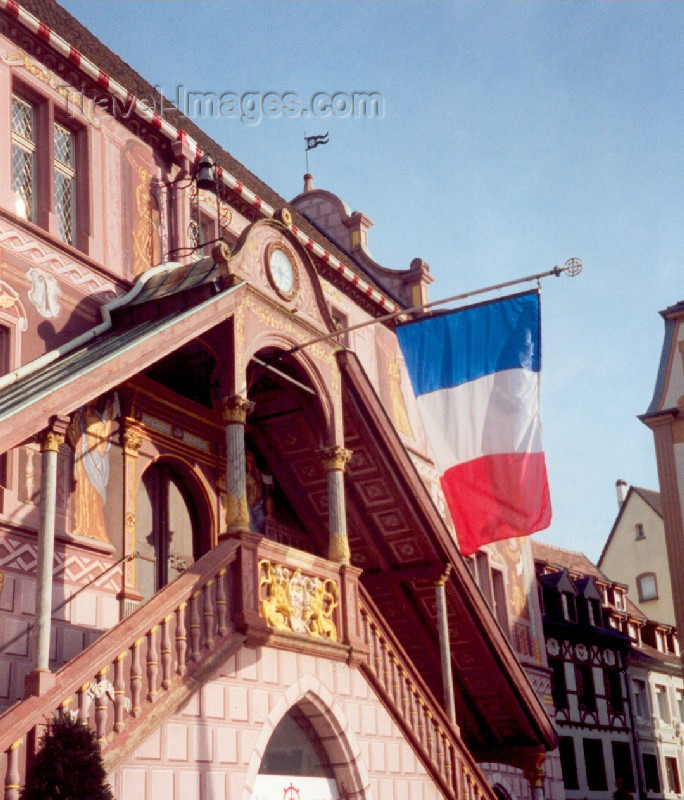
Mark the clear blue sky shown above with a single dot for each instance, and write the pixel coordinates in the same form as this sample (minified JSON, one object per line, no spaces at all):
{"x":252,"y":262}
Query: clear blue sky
{"x":515,"y":135}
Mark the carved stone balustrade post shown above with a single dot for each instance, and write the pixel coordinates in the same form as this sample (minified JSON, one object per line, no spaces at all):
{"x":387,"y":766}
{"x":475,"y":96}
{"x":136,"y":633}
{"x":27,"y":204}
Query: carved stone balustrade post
{"x":334,"y":460}
{"x":40,"y":679}
{"x":235,"y":410}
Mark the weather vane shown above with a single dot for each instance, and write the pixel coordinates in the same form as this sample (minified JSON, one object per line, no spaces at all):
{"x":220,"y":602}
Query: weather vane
{"x":313,"y":141}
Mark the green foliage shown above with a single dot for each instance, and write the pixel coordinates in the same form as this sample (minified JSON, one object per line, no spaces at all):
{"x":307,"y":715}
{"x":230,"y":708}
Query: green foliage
{"x":68,"y":765}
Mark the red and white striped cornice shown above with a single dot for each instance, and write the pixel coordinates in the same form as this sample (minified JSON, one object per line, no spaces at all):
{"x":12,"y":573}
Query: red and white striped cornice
{"x":141,"y":110}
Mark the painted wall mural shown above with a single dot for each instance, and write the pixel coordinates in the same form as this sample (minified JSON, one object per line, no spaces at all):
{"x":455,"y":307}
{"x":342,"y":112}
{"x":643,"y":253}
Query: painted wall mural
{"x":90,"y":435}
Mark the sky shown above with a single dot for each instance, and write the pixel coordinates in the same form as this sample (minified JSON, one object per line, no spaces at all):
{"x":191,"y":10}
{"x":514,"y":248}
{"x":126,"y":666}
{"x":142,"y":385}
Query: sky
{"x":515,"y":135}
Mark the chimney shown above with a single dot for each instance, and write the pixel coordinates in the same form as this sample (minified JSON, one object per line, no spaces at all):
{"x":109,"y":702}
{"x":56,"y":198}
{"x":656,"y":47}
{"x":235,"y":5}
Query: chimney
{"x":308,"y":182}
{"x":621,"y":489}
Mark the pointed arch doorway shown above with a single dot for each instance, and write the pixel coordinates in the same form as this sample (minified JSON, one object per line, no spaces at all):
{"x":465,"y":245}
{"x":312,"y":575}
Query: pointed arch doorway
{"x":168,"y":524}
{"x":295,"y":765}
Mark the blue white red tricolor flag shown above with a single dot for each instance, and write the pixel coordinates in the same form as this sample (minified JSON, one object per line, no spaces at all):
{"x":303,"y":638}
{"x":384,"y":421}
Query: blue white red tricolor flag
{"x":475,"y":373}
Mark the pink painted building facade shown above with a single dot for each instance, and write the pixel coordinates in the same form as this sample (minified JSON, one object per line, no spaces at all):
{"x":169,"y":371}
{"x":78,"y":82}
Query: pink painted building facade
{"x":220,"y":546}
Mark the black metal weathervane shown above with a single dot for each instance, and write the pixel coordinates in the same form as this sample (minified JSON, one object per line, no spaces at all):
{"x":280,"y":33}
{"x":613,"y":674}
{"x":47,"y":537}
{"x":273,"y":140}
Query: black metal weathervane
{"x":314,"y":141}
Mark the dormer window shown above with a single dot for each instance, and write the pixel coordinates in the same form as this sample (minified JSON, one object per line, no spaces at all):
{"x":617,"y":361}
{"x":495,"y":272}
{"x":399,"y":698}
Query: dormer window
{"x":640,"y":533}
{"x":569,"y":608}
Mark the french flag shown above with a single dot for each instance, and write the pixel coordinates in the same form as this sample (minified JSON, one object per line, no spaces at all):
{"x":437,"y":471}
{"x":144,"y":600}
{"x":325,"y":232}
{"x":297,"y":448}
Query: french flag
{"x":475,"y":374}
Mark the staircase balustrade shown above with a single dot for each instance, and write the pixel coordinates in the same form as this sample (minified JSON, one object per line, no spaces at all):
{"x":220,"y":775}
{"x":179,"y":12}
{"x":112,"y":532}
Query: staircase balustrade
{"x":140,"y":664}
{"x":247,"y":590}
{"x":414,"y":708}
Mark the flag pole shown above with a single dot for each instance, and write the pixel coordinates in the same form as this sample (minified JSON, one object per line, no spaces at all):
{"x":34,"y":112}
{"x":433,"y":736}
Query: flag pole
{"x":572,"y":267}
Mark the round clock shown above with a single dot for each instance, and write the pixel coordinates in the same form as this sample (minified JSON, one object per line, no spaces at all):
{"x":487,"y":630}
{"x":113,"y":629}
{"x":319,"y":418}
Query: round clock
{"x":282,"y":271}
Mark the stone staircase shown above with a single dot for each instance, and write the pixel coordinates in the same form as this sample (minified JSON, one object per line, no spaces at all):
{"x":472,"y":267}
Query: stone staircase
{"x":136,"y":675}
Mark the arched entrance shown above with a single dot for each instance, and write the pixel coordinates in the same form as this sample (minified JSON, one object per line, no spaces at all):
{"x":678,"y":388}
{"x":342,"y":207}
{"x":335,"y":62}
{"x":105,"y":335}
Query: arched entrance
{"x":313,"y":709}
{"x":168,"y":524}
{"x":295,"y":764}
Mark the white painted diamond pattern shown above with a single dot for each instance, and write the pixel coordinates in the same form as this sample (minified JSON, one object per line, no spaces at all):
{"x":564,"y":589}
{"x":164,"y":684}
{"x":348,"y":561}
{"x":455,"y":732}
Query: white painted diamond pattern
{"x":72,"y":567}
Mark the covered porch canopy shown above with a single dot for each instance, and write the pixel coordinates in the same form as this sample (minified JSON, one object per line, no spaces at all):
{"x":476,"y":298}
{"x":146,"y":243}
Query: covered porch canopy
{"x":396,"y":534}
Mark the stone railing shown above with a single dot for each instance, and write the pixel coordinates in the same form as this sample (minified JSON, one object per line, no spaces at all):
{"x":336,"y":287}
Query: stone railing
{"x":152,"y":660}
{"x":415,"y":709}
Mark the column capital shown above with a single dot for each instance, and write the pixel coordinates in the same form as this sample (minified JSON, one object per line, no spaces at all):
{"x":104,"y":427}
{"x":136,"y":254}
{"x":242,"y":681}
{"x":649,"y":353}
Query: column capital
{"x":234,"y":409}
{"x":50,"y":441}
{"x":131,"y":438}
{"x":534,"y":770}
{"x":335,"y":458}
{"x":444,"y":577}
{"x":53,"y":436}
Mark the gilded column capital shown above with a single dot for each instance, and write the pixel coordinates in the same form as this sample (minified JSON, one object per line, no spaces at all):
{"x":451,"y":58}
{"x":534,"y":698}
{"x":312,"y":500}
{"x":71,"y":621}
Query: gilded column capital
{"x":234,"y":409}
{"x":50,"y":441}
{"x":444,"y":577}
{"x":535,"y":771}
{"x":132,"y":441}
{"x":335,"y":458}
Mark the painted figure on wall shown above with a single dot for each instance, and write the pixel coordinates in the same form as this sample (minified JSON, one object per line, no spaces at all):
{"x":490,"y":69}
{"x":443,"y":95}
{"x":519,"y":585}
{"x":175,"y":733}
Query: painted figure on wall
{"x":142,"y":216}
{"x":90,"y":435}
{"x":399,"y":412}
{"x":259,"y":500}
{"x":146,"y":230}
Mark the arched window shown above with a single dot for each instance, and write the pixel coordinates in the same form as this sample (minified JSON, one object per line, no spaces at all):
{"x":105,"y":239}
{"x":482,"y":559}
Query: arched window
{"x":167,"y":527}
{"x":647,"y":586}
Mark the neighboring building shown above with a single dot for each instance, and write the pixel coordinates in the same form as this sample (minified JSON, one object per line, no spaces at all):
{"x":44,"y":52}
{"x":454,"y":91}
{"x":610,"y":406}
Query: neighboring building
{"x":635,"y":552}
{"x":664,"y":418}
{"x":587,"y":618}
{"x":248,"y":544}
{"x":657,"y":686}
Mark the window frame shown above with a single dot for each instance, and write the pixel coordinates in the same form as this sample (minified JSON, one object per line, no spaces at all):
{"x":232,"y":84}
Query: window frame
{"x":598,"y":759}
{"x":568,"y":759}
{"x":661,"y":691}
{"x":639,"y":578}
{"x":586,"y":688}
{"x":672,"y":775}
{"x":640,"y":691}
{"x":49,"y":113}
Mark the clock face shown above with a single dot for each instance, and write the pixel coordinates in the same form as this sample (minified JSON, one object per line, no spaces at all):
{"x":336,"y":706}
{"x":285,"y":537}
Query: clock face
{"x":281,"y":270}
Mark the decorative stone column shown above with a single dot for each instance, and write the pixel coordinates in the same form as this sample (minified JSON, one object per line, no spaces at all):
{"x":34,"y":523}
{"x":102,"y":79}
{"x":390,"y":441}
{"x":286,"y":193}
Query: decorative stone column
{"x":235,"y":410}
{"x":334,"y":460}
{"x":536,"y":775}
{"x":40,"y":679}
{"x":131,"y":441}
{"x":445,"y":646}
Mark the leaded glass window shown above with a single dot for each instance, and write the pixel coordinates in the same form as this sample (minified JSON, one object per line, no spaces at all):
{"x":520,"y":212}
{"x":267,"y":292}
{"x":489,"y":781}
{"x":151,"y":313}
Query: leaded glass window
{"x":65,"y":175}
{"x":23,"y":156}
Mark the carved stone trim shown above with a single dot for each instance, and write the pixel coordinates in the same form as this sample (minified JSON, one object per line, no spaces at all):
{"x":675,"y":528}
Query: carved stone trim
{"x":298,"y":603}
{"x":235,"y":409}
